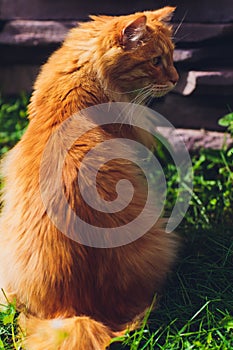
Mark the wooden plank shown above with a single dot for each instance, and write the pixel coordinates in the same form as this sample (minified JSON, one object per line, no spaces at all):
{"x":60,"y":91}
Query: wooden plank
{"x":207,"y":11}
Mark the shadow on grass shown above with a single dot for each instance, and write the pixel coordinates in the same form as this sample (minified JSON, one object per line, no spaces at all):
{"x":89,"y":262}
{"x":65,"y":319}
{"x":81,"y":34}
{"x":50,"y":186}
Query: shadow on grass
{"x":197,"y":304}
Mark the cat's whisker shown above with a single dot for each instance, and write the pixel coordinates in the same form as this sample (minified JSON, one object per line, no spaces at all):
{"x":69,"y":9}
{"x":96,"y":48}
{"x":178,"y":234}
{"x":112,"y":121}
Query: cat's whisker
{"x":161,"y":86}
{"x":180,"y":24}
{"x":129,"y":115}
{"x":143,"y":94}
{"x":149,"y":100}
{"x":144,"y":98}
{"x":141,"y":99}
{"x":182,"y":38}
{"x":126,"y":92}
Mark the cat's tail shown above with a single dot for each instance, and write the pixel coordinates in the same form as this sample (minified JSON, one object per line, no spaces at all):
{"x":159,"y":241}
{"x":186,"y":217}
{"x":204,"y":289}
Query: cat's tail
{"x":76,"y":333}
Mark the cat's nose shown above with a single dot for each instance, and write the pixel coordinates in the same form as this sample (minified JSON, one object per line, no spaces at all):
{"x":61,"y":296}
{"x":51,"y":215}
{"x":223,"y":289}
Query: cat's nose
{"x":173,"y":81}
{"x":174,"y":77}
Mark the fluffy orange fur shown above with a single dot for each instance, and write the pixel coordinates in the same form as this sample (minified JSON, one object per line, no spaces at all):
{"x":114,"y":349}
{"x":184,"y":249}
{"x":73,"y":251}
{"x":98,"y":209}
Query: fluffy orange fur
{"x":74,"y":296}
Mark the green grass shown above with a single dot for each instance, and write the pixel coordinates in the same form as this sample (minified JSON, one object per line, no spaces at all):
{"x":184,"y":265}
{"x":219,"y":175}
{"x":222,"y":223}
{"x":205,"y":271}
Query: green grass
{"x":13,"y":121}
{"x":196,"y":308}
{"x":9,"y":338}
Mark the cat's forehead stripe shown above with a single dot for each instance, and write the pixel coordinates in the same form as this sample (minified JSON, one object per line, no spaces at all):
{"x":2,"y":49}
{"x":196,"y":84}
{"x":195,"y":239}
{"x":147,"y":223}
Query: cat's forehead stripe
{"x":161,"y":48}
{"x":165,"y":46}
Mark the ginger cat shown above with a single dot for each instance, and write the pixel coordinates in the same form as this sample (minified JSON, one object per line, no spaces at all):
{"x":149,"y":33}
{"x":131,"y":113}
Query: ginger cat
{"x":74,"y":296}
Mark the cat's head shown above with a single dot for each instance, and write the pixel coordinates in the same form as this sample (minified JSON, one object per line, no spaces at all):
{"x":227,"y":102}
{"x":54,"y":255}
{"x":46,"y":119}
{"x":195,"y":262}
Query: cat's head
{"x":131,"y":55}
{"x":135,"y":55}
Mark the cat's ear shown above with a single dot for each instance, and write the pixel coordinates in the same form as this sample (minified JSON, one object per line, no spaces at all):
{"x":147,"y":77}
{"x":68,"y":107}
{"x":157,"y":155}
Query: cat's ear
{"x":133,"y":33}
{"x":164,"y":14}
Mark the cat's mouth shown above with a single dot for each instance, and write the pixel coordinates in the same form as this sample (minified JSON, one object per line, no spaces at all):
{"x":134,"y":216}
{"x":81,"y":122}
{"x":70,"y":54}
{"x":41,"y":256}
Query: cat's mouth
{"x":143,"y":95}
{"x":161,"y":90}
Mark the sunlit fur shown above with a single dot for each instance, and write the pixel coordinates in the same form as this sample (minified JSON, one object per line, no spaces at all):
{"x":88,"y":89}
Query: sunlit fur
{"x":73,"y":296}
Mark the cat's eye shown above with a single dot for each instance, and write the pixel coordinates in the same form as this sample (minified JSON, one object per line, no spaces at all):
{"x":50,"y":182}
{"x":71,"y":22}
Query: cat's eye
{"x":156,"y":61}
